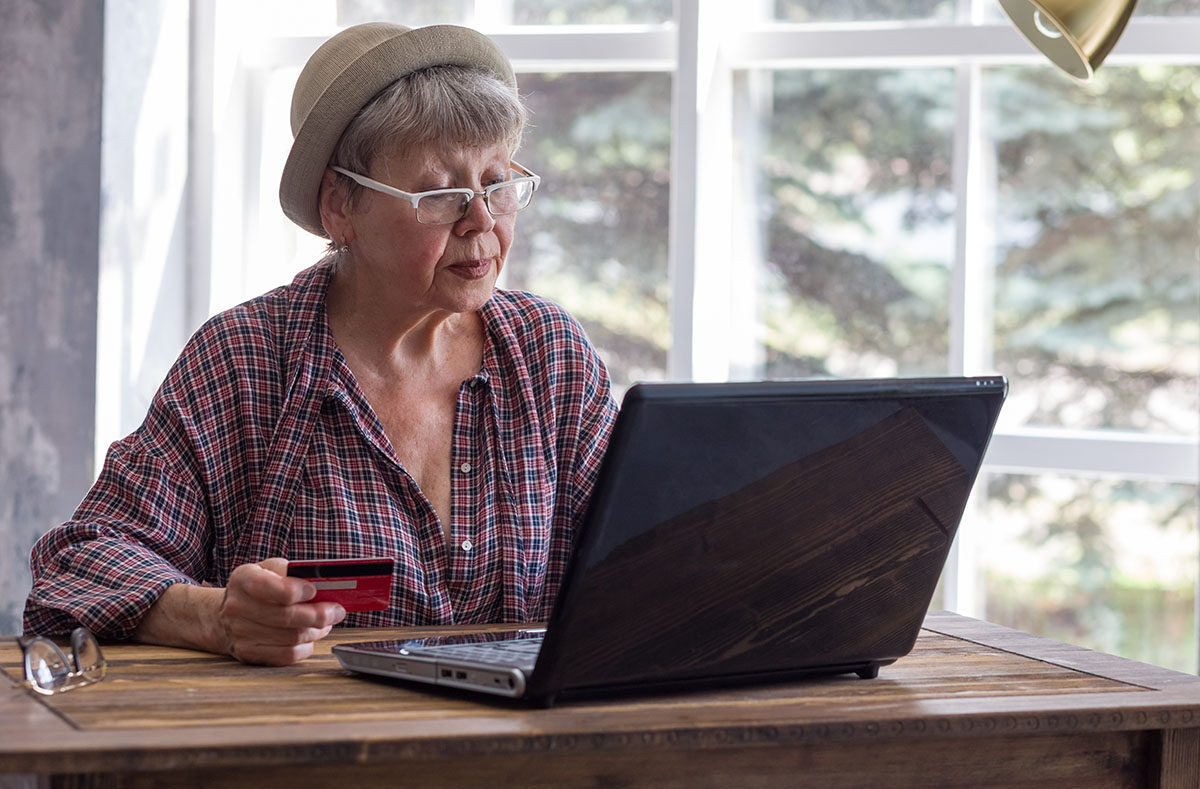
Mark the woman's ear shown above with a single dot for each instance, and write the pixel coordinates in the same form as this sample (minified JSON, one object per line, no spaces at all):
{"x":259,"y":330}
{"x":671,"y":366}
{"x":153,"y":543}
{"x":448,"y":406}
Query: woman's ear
{"x":334,"y":203}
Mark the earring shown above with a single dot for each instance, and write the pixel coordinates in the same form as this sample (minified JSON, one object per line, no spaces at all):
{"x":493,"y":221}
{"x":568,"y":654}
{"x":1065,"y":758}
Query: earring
{"x":343,"y":247}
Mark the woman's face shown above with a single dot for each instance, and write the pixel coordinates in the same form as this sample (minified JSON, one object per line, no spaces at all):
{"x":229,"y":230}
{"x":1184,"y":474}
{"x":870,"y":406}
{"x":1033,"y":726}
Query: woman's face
{"x":452,"y":267}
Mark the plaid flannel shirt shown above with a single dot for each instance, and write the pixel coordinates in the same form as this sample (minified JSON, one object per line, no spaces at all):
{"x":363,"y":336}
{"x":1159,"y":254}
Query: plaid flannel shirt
{"x":260,"y":443}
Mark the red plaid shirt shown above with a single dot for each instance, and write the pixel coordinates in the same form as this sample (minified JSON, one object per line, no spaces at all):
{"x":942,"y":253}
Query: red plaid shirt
{"x":260,"y":443}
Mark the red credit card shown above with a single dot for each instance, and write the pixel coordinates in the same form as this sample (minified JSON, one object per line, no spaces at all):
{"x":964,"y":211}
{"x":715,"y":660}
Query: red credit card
{"x":358,"y":584}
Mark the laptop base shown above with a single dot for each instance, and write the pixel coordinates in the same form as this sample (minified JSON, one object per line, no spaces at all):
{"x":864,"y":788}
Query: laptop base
{"x":869,"y":670}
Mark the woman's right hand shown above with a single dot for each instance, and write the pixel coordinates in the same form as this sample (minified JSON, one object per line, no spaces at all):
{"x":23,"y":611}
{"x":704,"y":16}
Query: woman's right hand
{"x":265,"y":616}
{"x":262,"y":616}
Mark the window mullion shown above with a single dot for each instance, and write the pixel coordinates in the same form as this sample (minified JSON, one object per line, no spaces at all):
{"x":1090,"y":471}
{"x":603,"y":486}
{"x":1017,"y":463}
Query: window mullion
{"x":684,"y":174}
{"x":701,"y":198}
{"x":971,"y":308}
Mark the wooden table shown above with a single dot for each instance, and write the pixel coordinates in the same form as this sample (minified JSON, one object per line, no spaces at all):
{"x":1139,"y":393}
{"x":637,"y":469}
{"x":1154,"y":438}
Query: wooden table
{"x":973,"y":705}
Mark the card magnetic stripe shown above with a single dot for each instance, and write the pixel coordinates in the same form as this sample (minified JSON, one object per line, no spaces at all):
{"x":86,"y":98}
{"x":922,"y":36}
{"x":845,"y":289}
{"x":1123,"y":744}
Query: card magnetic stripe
{"x":340,"y":569}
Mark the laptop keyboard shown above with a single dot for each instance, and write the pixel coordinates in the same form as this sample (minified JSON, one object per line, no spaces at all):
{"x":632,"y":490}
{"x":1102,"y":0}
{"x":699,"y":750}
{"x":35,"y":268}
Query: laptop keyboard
{"x":519,"y":651}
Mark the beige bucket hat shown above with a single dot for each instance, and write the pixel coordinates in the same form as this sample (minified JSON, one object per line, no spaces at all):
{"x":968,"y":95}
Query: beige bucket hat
{"x":345,"y":73}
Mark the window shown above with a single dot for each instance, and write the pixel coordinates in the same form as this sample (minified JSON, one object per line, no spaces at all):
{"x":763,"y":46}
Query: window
{"x":844,"y":188}
{"x":855,"y":180}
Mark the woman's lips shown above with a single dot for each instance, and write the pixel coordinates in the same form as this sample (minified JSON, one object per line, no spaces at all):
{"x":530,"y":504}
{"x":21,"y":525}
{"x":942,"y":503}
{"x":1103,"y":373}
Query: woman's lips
{"x":472,"y":269}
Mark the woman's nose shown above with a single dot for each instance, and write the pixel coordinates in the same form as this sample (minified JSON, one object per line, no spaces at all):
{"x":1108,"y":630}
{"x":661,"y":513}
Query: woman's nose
{"x":478,"y":217}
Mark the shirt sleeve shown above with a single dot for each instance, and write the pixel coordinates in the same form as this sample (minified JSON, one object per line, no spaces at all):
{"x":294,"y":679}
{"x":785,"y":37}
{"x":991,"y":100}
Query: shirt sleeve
{"x":164,"y":495}
{"x":138,"y":531}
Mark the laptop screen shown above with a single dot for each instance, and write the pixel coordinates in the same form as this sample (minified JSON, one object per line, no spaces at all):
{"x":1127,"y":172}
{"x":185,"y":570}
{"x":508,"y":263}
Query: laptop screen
{"x":752,"y":529}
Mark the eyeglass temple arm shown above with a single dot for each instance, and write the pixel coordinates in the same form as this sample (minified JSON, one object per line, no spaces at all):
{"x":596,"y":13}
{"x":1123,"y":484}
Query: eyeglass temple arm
{"x":526,"y":172}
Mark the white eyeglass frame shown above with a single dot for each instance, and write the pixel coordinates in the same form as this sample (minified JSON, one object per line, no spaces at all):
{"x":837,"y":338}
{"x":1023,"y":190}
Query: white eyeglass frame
{"x":414,"y":197}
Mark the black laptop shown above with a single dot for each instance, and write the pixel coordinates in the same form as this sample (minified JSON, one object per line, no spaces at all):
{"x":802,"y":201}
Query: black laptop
{"x":741,"y":532}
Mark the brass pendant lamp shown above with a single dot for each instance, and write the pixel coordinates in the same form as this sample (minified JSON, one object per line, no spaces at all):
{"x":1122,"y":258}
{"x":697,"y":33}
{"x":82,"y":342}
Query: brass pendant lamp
{"x":1075,"y":34}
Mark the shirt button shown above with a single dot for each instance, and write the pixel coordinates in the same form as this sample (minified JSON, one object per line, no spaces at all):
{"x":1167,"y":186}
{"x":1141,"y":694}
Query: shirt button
{"x":467,"y":545}
{"x":473,"y":383}
{"x":465,"y":468}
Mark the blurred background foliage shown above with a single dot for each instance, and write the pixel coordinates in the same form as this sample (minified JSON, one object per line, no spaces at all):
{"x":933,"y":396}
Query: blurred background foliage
{"x":856,"y":187}
{"x":1097,"y":212}
{"x":596,"y":237}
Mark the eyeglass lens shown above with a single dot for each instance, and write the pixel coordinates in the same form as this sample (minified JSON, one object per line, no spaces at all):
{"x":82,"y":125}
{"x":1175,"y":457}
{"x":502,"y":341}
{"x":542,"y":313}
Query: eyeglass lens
{"x":504,"y":199}
{"x":89,"y":660}
{"x":46,"y":665}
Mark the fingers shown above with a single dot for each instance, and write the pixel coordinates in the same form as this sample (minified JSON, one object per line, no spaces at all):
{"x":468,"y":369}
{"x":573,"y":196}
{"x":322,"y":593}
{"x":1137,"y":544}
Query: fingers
{"x":272,"y":615}
{"x":266,"y":618}
{"x":268,"y":584}
{"x":276,"y":564}
{"x":274,"y":646}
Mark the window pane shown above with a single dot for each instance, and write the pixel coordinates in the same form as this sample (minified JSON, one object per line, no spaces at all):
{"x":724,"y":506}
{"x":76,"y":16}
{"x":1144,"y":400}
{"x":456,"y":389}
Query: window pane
{"x":859,"y":236}
{"x":861,"y":10}
{"x":595,"y":237}
{"x":1097,"y":276}
{"x":1106,"y":564}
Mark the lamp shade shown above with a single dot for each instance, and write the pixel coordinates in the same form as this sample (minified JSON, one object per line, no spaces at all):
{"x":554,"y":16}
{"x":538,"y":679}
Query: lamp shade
{"x":1075,"y":34}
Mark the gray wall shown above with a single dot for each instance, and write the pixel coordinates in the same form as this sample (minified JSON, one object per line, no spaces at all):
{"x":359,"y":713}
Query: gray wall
{"x":51,"y":55}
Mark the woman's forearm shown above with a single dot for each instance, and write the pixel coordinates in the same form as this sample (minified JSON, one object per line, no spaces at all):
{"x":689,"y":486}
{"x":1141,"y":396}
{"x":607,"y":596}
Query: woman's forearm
{"x":261,"y":616}
{"x":187,"y":616}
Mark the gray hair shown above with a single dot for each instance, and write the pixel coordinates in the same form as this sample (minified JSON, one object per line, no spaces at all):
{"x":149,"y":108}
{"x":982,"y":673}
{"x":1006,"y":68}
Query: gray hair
{"x":452,"y":104}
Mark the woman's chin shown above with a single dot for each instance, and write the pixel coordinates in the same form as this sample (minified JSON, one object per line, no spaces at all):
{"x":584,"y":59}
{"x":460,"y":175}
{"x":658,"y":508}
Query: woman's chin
{"x":469,"y":295}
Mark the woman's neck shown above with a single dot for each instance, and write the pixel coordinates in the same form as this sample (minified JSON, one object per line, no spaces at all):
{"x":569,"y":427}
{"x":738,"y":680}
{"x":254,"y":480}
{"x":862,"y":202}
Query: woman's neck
{"x":385,"y":335}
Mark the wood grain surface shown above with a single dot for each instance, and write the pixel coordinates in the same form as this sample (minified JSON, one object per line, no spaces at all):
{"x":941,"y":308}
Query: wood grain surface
{"x":973,"y":704}
{"x":154,"y":687}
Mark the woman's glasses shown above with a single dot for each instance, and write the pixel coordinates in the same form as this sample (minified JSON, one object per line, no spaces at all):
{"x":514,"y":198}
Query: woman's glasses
{"x":48,"y":670}
{"x":444,"y":206}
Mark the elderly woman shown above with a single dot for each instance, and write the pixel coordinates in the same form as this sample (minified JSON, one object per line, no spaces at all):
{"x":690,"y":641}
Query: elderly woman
{"x":389,"y":402}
